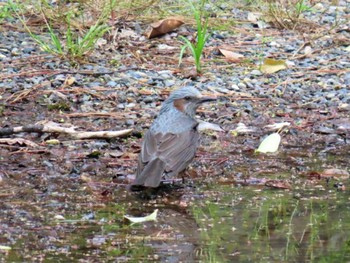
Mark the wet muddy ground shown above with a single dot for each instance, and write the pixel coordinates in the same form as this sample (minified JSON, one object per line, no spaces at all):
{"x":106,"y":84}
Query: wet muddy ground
{"x":64,"y":199}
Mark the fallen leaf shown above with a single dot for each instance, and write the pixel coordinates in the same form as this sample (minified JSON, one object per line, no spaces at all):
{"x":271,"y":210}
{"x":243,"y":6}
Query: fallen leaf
{"x":126,"y":33}
{"x":116,"y":154}
{"x":277,"y":126}
{"x":20,"y":141}
{"x":231,"y":56}
{"x":272,"y":65}
{"x":59,"y":217}
{"x":270,"y":143}
{"x":164,"y":26}
{"x":204,"y":125}
{"x":335,"y":173}
{"x":279,"y":184}
{"x":165,"y":47}
{"x":5,"y":247}
{"x":151,"y":217}
{"x":241,"y":128}
{"x":52,"y":142}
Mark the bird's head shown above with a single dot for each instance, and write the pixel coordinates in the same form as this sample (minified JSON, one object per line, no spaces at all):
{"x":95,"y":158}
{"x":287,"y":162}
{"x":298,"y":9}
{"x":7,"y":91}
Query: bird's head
{"x":187,"y":100}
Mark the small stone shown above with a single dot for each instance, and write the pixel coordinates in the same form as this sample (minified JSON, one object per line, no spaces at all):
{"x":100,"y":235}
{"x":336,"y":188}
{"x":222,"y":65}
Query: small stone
{"x":241,"y":85}
{"x":344,"y":107}
{"x":121,"y":106}
{"x":28,"y":50}
{"x":169,"y":83}
{"x":330,"y":95}
{"x":235,"y":87}
{"x":111,"y":83}
{"x":290,"y":64}
{"x":131,"y":105}
{"x":289,"y":48}
{"x":319,"y":7}
{"x":223,"y":90}
{"x":274,"y":44}
{"x":15,"y":52}
{"x":347,"y":78}
{"x":256,"y":72}
{"x":148,"y":99}
{"x":130,"y":122}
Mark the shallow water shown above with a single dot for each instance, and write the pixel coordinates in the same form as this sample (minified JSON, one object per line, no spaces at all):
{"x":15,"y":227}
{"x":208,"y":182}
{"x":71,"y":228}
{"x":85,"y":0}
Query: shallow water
{"x":241,"y":207}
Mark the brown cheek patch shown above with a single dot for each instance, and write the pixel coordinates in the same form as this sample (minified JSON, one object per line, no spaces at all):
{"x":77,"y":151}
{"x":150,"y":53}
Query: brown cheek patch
{"x":180,"y":104}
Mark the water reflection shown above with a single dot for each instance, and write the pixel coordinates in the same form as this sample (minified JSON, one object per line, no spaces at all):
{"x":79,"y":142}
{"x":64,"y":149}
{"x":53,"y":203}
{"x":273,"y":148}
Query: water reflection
{"x":274,"y":226}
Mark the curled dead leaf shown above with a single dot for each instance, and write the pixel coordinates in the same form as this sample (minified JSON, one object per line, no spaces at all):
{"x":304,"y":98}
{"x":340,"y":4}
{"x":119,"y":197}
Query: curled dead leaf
{"x":19,"y":141}
{"x":164,"y":26}
{"x":204,"y":125}
{"x":231,"y":56}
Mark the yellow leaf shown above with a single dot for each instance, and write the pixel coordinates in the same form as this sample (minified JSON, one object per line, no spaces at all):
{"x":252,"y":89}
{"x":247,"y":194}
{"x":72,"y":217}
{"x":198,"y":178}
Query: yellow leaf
{"x":271,"y":65}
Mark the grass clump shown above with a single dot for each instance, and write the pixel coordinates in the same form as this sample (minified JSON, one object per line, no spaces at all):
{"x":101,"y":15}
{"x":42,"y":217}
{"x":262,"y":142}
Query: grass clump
{"x":197,"y":47}
{"x":76,"y":40}
{"x":7,"y":10}
{"x":288,"y":14}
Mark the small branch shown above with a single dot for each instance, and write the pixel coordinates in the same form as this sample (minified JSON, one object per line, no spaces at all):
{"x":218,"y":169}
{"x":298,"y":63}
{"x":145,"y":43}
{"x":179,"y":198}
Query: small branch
{"x":51,"y":127}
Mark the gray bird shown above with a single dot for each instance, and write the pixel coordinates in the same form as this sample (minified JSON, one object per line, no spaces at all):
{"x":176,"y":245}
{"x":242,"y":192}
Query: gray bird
{"x":171,"y":142}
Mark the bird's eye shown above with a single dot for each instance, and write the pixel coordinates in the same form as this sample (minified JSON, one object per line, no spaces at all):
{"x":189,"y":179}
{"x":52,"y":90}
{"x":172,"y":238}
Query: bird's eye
{"x":187,"y":98}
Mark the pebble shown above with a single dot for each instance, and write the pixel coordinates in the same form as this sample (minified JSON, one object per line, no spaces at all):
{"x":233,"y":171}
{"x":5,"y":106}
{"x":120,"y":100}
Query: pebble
{"x":256,"y":72}
{"x":241,"y":85}
{"x":347,"y":78}
{"x":344,"y":107}
{"x":111,"y":83}
{"x":130,"y":122}
{"x":130,"y":105}
{"x":235,"y":87}
{"x":148,"y":99}
{"x":330,"y":95}
{"x":223,"y":90}
{"x":169,"y":83}
{"x":15,"y":52}
{"x":121,"y":106}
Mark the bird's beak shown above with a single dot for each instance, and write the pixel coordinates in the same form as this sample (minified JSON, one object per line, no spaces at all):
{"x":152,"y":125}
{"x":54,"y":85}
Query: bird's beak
{"x":207,"y":99}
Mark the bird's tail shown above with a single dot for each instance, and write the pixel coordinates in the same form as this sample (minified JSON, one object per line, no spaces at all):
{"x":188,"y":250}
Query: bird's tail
{"x":151,"y":174}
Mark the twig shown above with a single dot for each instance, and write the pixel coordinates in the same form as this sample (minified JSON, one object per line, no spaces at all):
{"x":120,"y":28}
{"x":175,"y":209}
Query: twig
{"x":51,"y":127}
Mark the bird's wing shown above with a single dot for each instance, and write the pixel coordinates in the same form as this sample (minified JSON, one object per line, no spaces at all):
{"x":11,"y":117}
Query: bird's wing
{"x":175,"y":149}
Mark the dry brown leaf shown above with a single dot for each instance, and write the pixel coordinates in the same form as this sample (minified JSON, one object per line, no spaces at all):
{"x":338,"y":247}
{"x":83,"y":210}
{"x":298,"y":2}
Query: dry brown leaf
{"x":279,"y":184}
{"x":231,"y":56}
{"x":19,"y":141}
{"x":335,"y":173}
{"x":164,"y":26}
